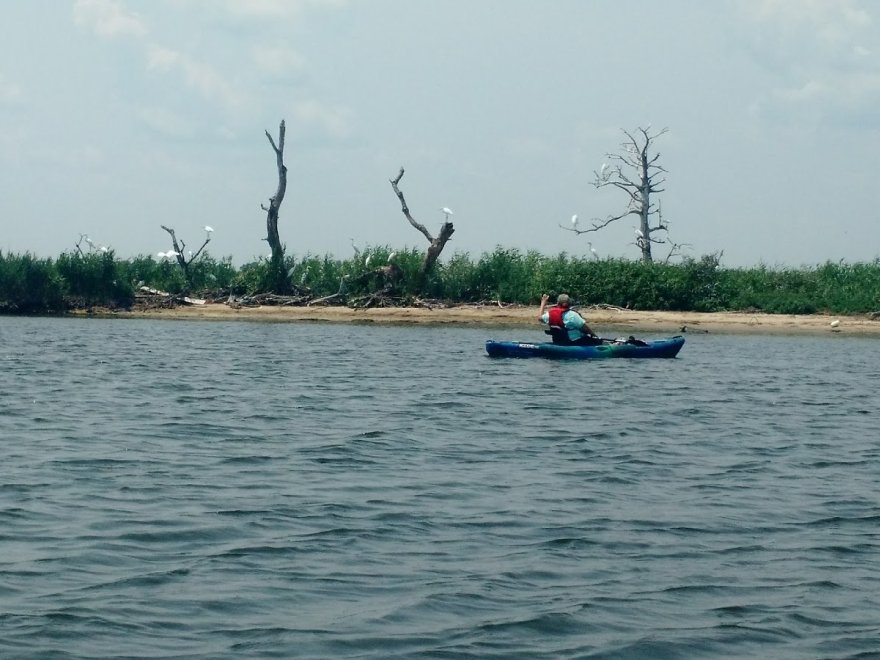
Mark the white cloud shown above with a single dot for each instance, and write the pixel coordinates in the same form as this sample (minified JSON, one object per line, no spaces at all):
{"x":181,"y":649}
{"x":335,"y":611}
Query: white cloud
{"x":166,"y":122}
{"x":210,"y":83}
{"x":10,"y":91}
{"x":830,"y":20}
{"x":821,"y":53}
{"x":275,"y":9}
{"x":812,"y":32}
{"x":107,"y":18}
{"x":810,"y":91}
{"x":528,"y":147}
{"x":11,"y":139}
{"x":162,"y":58}
{"x":278,"y":60}
{"x":201,"y":77}
{"x":335,"y":121}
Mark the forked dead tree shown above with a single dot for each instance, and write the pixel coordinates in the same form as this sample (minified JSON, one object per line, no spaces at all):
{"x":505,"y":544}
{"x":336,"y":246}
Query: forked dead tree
{"x":637,"y":173}
{"x":92,"y":248}
{"x":436,"y":243}
{"x":184,"y":260}
{"x":278,"y":275}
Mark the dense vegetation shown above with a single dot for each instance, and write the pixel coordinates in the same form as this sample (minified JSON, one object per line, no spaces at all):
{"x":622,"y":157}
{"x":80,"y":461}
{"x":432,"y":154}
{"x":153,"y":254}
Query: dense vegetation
{"x":34,"y":285}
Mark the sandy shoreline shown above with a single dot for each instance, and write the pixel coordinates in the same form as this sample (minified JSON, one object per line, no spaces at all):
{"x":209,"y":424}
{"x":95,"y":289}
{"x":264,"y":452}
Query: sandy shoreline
{"x":604,"y":321}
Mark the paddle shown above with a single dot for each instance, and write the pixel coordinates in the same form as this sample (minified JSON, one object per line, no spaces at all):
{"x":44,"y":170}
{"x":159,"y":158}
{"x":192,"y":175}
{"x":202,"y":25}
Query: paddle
{"x":605,"y":340}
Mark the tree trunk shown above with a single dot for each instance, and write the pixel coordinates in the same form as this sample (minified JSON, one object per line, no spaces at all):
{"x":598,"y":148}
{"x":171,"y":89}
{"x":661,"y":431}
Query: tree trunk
{"x":181,"y":260}
{"x":645,"y":214}
{"x":278,"y":278}
{"x":433,"y":252}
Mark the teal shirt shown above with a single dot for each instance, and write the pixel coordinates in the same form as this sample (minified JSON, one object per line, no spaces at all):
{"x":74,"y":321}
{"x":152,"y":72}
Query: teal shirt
{"x":573,"y":322}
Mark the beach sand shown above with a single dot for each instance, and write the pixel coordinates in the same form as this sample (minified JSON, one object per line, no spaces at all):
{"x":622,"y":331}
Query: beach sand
{"x":605,"y":321}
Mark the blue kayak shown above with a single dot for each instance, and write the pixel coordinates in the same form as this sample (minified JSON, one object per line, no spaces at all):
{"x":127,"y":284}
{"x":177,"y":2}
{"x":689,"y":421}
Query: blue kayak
{"x":657,"y":348}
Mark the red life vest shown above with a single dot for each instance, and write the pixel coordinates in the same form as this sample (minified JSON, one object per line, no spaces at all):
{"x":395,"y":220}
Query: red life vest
{"x":555,"y":314}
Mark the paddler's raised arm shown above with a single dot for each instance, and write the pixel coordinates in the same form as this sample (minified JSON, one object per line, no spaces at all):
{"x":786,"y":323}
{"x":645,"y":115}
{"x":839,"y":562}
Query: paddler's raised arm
{"x":543,"y":309}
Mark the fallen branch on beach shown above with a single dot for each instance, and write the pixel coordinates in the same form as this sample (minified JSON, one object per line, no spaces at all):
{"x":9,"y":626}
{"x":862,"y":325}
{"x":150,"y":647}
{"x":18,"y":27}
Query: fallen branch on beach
{"x":147,"y":297}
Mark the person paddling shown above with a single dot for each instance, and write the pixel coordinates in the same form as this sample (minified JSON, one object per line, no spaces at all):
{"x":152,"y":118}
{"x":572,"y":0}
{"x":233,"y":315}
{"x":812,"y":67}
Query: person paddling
{"x":566,"y":326}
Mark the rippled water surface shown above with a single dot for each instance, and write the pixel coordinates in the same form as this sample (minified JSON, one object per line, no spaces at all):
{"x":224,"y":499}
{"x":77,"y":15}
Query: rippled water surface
{"x":227,"y":490}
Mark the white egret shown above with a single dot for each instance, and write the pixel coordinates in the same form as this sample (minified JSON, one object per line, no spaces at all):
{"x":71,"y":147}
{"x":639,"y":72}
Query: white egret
{"x":209,"y":229}
{"x":89,"y":241}
{"x":603,"y":169}
{"x":574,"y":221}
{"x":593,"y":250}
{"x":447,"y":211}
{"x":104,"y":248}
{"x":639,"y":233}
{"x":835,"y":323}
{"x":367,"y":261}
{"x":391,"y":257}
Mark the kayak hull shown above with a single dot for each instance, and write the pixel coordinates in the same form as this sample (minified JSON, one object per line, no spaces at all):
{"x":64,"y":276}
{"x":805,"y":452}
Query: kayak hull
{"x":658,"y":348}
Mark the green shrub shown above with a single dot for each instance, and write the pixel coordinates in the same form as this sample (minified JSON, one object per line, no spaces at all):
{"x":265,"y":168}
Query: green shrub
{"x":29,"y":285}
{"x":94,"y":279}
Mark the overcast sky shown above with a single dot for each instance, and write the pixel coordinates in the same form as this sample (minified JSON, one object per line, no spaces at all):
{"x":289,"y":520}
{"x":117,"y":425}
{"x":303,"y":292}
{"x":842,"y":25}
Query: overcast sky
{"x":117,"y":116}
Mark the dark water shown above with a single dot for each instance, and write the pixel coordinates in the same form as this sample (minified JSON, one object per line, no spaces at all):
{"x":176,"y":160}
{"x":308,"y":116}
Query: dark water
{"x":174,"y":489}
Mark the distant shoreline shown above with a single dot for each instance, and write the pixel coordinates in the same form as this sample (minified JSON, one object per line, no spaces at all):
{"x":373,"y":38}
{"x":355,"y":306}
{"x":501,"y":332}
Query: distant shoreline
{"x":604,"y":320}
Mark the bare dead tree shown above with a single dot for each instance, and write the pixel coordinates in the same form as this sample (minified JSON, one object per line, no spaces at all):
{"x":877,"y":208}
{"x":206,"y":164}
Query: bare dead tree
{"x":103,"y":249}
{"x":278,"y":275}
{"x":181,"y":257}
{"x":84,"y":237}
{"x":636,"y":172}
{"x":436,"y":244}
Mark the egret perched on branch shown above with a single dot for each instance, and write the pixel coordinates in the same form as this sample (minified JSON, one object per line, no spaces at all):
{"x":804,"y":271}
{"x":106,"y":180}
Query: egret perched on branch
{"x":574,"y":221}
{"x":89,"y":241}
{"x":602,"y":171}
{"x":593,"y":250}
{"x":639,"y":233}
{"x":209,"y":229}
{"x":447,"y":211}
